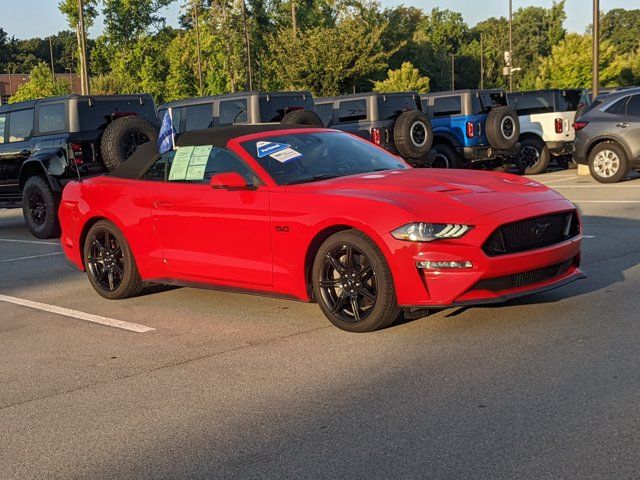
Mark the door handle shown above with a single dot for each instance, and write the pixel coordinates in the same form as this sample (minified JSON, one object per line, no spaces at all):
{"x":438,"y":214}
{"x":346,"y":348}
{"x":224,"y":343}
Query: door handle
{"x":622,"y":124}
{"x":163,"y":204}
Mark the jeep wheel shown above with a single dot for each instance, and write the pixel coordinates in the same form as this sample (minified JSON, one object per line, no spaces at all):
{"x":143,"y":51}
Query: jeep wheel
{"x":412,"y":134}
{"x":446,"y":157}
{"x":352,"y":283}
{"x":534,"y":156}
{"x":503,"y":128}
{"x":40,"y":208}
{"x":122,"y":137}
{"x":608,"y":163}
{"x":302,"y":117}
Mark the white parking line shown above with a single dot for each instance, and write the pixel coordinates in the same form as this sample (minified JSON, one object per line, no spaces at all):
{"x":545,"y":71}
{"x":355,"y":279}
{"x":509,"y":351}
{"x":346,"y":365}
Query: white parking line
{"x":597,"y":186}
{"x":558,"y":179}
{"x":605,"y":201}
{"x":67,"y":312}
{"x":38,"y":242}
{"x":30,"y":257}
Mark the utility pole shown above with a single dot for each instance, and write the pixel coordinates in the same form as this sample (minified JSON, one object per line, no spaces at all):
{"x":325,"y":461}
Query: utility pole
{"x":481,"y":61}
{"x":595,"y":89}
{"x":53,"y":71}
{"x":248,"y":46}
{"x":510,"y":46}
{"x":195,"y":19}
{"x":453,"y":72}
{"x":294,"y":20}
{"x":84,"y":70}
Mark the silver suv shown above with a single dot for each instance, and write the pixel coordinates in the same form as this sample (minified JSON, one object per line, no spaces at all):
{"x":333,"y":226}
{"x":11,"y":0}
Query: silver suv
{"x":608,"y":136}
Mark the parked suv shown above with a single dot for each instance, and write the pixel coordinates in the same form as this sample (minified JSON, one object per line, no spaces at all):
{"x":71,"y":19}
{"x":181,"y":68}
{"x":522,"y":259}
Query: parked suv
{"x":393,"y":121}
{"x":289,"y":108}
{"x":546,"y":127}
{"x":471,"y":126}
{"x":608,"y":135}
{"x":45,"y":143}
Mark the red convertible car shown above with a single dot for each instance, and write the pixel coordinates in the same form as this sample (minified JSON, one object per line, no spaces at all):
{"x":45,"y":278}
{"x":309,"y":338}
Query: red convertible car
{"x":318,"y":215}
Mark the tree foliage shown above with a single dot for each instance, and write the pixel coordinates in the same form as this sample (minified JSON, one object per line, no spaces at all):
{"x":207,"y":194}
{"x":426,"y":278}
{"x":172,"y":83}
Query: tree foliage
{"x":41,"y":84}
{"x":407,"y":78}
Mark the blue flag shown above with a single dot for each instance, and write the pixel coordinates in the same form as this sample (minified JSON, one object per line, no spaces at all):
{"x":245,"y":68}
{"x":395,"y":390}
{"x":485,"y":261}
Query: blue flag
{"x":167,"y":134}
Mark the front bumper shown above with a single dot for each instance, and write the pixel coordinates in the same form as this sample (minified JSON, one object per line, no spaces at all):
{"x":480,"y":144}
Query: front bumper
{"x":492,"y":279}
{"x":476,"y":154}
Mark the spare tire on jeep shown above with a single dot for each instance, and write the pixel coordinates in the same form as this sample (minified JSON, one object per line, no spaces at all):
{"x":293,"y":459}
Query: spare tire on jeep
{"x":412,"y":134}
{"x":302,"y":117}
{"x":122,"y":137}
{"x":503,"y":128}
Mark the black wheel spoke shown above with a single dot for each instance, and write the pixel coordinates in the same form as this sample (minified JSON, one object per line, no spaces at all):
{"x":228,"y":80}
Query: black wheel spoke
{"x":350,"y":258}
{"x":340,"y":304}
{"x":329,"y":283}
{"x":365,"y":272}
{"x":105,"y":260}
{"x":355,"y":307}
{"x":335,"y":263}
{"x":366,"y":293}
{"x":118,"y":270}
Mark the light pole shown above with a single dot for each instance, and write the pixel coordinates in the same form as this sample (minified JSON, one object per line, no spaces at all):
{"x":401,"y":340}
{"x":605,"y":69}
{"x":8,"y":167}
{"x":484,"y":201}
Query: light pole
{"x":510,"y":46}
{"x":195,"y":19}
{"x":83,"y":50}
{"x":595,"y":89}
{"x":481,"y":61}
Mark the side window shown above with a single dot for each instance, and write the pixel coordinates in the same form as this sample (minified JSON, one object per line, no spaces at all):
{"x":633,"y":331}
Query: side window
{"x":325,"y":112}
{"x":20,"y":125}
{"x":633,"y":107}
{"x":51,"y":118}
{"x":197,"y":164}
{"x":352,"y":111}
{"x":444,"y":106}
{"x":233,"y":111}
{"x":199,"y":117}
{"x":3,"y":124}
{"x":157,"y":171}
{"x":618,"y":107}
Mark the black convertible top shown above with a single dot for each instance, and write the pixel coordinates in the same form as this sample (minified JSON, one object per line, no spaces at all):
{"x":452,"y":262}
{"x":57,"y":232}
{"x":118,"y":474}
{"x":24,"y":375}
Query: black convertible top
{"x":218,"y":137}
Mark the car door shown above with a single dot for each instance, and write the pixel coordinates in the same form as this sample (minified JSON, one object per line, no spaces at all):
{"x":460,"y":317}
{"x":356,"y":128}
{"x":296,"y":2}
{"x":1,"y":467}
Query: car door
{"x":628,"y":126}
{"x":15,"y":149}
{"x":217,"y":235}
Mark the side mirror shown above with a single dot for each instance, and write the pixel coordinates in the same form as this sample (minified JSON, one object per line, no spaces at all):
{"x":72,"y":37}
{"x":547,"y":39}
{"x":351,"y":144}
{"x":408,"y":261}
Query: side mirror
{"x":229,"y":181}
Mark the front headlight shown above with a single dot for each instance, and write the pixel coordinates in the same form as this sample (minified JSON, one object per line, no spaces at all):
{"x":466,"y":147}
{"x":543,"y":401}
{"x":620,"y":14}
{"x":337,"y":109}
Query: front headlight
{"x":428,"y":232}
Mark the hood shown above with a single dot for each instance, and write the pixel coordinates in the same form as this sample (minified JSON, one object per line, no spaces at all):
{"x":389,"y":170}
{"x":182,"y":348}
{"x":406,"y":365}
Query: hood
{"x":439,"y":193}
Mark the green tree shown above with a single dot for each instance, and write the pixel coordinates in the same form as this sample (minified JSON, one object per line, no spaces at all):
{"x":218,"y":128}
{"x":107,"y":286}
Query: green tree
{"x":405,"y":79}
{"x":569,"y":65}
{"x":41,"y":84}
{"x":620,"y":27}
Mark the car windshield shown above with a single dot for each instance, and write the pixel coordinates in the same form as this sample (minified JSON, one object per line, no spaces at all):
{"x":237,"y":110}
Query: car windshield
{"x":308,"y":157}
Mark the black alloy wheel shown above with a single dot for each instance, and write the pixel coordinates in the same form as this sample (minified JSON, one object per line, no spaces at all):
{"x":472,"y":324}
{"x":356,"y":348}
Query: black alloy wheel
{"x":132,"y":142}
{"x":418,"y":134}
{"x":105,"y":262}
{"x":348,"y":283}
{"x":37,"y":208}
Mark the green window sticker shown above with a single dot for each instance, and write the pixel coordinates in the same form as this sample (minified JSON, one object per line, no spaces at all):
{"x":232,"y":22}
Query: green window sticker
{"x":180,"y":164}
{"x":195,"y":172}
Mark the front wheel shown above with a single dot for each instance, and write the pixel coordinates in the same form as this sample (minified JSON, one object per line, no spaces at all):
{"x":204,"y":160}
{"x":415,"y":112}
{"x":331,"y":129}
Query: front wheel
{"x":353,"y":284}
{"x":109,"y":262}
{"x":608,"y":163}
{"x":534,"y":156}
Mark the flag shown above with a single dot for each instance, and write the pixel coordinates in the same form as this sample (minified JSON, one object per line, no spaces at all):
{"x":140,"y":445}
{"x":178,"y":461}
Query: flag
{"x":166,"y":138}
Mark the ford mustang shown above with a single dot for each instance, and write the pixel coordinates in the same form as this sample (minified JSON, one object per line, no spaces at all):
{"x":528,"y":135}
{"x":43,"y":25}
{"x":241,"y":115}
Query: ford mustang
{"x":317,"y":215}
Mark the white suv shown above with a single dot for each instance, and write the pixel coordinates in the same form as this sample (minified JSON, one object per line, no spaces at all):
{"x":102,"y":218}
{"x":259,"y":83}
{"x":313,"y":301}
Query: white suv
{"x":546,"y":127}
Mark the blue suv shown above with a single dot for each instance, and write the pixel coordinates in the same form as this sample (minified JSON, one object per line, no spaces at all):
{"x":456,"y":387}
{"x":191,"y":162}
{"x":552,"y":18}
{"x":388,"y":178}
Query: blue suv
{"x":471,"y":127}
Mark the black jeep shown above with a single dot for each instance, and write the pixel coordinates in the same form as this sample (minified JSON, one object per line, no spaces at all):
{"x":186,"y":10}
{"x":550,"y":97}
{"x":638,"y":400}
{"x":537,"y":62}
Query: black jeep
{"x":48,"y":142}
{"x":245,"y":108}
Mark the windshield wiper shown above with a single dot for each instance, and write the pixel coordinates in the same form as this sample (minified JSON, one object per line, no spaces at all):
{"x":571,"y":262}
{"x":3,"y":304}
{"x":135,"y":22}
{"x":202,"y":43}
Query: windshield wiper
{"x":315,"y":178}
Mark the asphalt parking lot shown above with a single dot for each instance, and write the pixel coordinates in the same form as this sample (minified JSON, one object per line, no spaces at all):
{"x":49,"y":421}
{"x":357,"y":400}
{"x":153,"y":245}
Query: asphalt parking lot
{"x":186,"y":383}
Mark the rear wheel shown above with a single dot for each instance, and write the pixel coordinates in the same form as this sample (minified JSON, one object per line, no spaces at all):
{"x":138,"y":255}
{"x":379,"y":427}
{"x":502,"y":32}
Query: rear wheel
{"x":446,"y":157}
{"x":413,"y":134}
{"x":534,"y":156}
{"x":109,"y":262}
{"x":608,"y":163}
{"x":40,"y":208}
{"x":502,"y":128}
{"x":353,"y":284}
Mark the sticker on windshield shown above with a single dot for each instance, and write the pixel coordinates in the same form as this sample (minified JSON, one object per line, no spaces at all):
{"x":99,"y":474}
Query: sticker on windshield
{"x":269,"y":148}
{"x":286,"y":155}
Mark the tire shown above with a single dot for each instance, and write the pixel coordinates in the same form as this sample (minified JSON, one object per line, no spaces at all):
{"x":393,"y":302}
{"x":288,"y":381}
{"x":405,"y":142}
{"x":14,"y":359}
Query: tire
{"x":412,"y":134}
{"x":109,"y":263}
{"x":40,"y":208}
{"x":503,"y":128}
{"x":446,"y":157}
{"x":534,"y":156}
{"x":372,"y":285}
{"x":608,"y":163}
{"x":302,"y":117}
{"x":122,"y":137}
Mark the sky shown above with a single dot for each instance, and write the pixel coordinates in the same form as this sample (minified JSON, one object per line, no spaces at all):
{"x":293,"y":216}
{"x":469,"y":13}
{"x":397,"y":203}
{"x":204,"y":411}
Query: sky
{"x":31,"y":18}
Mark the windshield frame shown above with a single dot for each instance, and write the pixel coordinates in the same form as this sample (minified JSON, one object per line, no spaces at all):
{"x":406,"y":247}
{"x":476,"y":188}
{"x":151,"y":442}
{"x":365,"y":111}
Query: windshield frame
{"x":239,"y":145}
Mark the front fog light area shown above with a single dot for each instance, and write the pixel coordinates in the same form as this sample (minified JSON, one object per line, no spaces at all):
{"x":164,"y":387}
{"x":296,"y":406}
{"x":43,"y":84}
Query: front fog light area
{"x":447,"y":265}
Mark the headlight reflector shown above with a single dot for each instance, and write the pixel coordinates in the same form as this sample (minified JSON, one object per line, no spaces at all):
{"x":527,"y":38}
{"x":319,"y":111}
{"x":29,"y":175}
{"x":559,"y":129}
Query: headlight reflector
{"x":428,"y":232}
